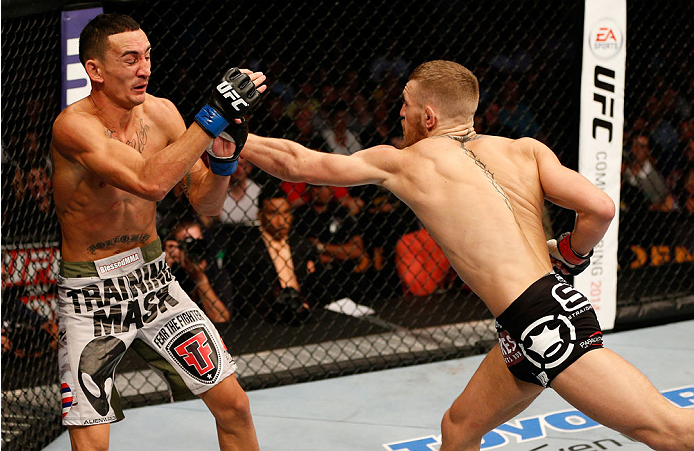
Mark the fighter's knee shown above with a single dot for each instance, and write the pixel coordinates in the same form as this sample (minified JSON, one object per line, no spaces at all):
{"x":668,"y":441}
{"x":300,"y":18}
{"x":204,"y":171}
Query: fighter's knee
{"x":455,"y":434}
{"x":89,"y":438}
{"x":447,"y":423}
{"x":236,"y":409}
{"x":447,"y":429}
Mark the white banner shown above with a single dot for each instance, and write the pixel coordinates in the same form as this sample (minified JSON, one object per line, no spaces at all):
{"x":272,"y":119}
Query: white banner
{"x":600,"y":139}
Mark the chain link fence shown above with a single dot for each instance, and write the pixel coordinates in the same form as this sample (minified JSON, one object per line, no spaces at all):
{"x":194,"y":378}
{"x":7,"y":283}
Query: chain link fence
{"x":381,"y":294}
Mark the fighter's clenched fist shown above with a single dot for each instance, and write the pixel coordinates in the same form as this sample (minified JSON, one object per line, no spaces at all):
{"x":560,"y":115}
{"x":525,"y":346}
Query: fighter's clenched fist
{"x":233,"y":97}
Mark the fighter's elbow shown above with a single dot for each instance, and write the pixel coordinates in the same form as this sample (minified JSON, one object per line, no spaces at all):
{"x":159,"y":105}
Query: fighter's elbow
{"x":600,"y":211}
{"x":605,"y":209}
{"x":153,"y":192}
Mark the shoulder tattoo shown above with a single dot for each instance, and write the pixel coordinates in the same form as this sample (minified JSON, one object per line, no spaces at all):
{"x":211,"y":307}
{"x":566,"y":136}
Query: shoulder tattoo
{"x":137,"y":238}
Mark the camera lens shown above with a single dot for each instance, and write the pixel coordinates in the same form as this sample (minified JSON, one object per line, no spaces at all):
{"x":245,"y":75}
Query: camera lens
{"x":194,"y":248}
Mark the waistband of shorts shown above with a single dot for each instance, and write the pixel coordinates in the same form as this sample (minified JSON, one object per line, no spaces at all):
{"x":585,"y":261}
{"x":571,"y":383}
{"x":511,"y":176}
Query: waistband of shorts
{"x":529,"y":297}
{"x":150,"y":252}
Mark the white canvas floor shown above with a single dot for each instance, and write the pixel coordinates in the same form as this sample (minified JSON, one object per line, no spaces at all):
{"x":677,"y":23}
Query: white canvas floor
{"x":401,"y":409}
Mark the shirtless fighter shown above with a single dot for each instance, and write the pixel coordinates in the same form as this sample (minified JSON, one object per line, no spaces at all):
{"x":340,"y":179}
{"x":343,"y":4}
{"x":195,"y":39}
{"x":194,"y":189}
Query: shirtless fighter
{"x":115,"y":154}
{"x":481,"y":198}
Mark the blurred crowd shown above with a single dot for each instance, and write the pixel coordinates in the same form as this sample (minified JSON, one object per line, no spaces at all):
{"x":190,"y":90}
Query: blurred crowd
{"x":658,"y":157}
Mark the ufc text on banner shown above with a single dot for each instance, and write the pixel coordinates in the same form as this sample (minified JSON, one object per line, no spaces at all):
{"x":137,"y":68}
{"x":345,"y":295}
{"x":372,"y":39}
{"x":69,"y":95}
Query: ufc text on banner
{"x":600,"y":139}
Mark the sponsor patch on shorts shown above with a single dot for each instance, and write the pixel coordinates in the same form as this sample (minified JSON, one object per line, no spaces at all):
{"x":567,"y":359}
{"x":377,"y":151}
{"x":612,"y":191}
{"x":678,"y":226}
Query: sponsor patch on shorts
{"x":511,"y":351}
{"x":195,"y":352}
{"x":594,"y":340}
{"x":119,"y":264}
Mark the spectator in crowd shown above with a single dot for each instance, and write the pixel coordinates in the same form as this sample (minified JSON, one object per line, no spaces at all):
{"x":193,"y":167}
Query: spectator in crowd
{"x":382,"y":221}
{"x":304,"y":99}
{"x":269,"y":266}
{"x":32,"y":188}
{"x":280,"y":86}
{"x":389,"y":76}
{"x":662,"y":133}
{"x":185,"y":249}
{"x":380,"y":129}
{"x":335,"y":233}
{"x":639,"y":171}
{"x":338,"y":137}
{"x":25,"y":332}
{"x":35,"y":184}
{"x":385,"y":217}
{"x":328,"y":95}
{"x":276,"y":122}
{"x":362,"y":115}
{"x":383,"y":67}
{"x":305,"y":133}
{"x":241,"y":203}
{"x":350,"y":86}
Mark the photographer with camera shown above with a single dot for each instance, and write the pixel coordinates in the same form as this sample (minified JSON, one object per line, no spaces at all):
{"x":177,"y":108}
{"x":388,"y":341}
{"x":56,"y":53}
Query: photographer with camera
{"x":185,"y":249}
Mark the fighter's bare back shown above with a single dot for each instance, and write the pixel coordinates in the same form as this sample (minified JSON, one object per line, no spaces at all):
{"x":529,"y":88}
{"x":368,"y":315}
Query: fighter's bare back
{"x":480,"y":200}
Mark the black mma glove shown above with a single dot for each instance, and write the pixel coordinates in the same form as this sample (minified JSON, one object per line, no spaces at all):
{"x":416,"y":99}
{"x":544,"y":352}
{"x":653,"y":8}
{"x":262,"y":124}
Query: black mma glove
{"x":564,"y":258}
{"x":231,"y":99}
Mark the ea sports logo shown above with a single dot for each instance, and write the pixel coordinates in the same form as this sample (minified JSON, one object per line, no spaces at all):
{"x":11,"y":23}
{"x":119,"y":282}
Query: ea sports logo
{"x":548,"y":342}
{"x":605,"y":39}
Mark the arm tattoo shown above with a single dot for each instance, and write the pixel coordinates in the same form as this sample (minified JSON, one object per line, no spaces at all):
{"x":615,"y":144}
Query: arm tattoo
{"x":140,"y":238}
{"x":185,"y":183}
{"x":481,"y":165}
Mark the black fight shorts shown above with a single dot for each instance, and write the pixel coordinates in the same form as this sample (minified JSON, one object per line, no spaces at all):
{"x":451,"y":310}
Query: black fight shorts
{"x":546,"y":329}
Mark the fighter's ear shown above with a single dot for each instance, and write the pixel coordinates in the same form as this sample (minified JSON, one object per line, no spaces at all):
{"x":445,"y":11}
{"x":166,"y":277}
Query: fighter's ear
{"x":93,"y":69}
{"x":430,"y":117}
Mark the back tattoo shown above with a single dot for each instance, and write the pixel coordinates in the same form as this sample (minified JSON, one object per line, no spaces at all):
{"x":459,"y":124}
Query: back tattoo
{"x":490,"y":175}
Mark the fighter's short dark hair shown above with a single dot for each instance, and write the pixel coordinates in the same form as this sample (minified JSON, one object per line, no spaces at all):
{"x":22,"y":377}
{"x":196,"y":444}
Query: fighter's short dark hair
{"x":94,"y":37}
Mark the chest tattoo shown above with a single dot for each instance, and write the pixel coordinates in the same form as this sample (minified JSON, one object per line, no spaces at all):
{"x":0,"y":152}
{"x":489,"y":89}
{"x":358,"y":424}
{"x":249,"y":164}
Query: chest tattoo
{"x":139,"y":140}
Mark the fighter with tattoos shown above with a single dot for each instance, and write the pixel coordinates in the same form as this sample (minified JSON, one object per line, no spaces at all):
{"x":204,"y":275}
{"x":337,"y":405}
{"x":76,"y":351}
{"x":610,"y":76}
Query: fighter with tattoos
{"x":116,"y":153}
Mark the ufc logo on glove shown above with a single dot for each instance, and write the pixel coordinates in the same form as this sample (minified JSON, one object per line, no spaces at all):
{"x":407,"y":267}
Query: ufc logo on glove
{"x":229,"y":92}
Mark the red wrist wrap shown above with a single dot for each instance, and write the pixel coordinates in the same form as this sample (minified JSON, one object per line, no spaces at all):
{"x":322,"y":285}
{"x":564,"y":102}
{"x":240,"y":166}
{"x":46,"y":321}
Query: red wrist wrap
{"x":564,"y":246}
